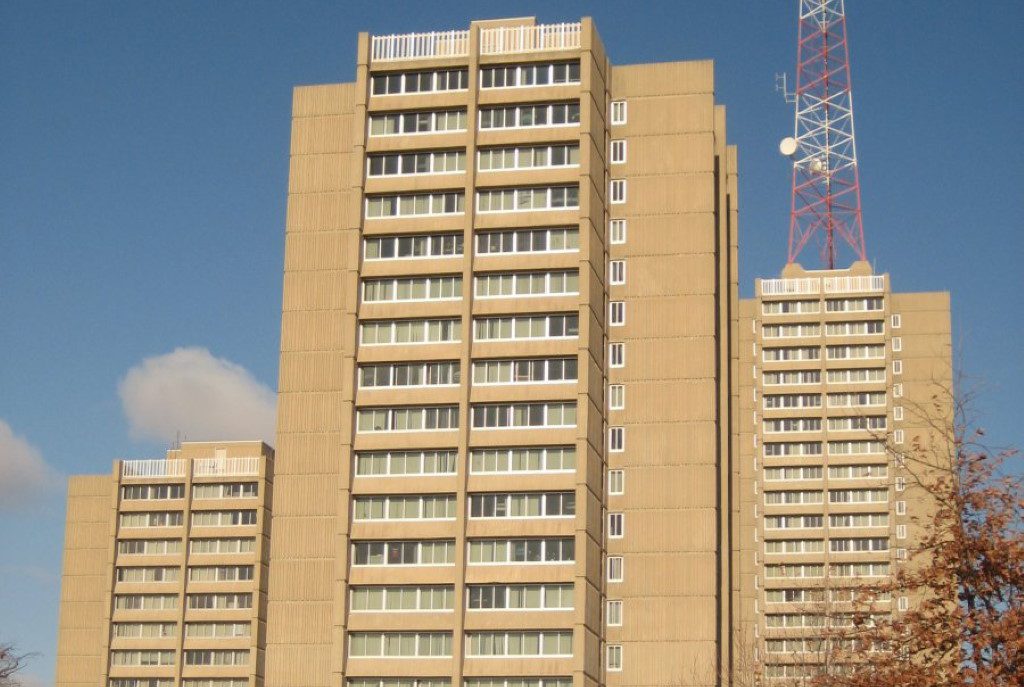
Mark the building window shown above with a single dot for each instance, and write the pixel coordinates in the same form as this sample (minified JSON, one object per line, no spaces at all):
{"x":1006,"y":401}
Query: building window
{"x":617,"y":313}
{"x":896,"y":321}
{"x":553,"y":504}
{"x":617,"y":271}
{"x":419,"y":82}
{"x":522,"y":116}
{"x":613,"y":615}
{"x":525,"y":371}
{"x":618,"y":151}
{"x":406,"y":123}
{"x":616,"y":482}
{"x":617,"y":231}
{"x":555,"y":551}
{"x":523,"y":415}
{"x":618,"y":191}
{"x":616,"y":397}
{"x":412,"y":247}
{"x":901,"y":531}
{"x":897,"y":344}
{"x":897,"y":367}
{"x":901,"y":483}
{"x":616,"y":525}
{"x":415,"y":205}
{"x":517,"y":76}
{"x":407,"y":419}
{"x":901,"y":554}
{"x":902,"y":604}
{"x":897,"y":436}
{"x":897,"y":390}
{"x":618,"y":112}
{"x":525,"y":284}
{"x":528,"y":199}
{"x":426,"y":162}
{"x":615,"y":657}
{"x":897,"y":413}
{"x":616,"y":439}
{"x":901,"y":508}
{"x":617,"y":355}
{"x":616,"y":569}
{"x":554,"y":240}
{"x":528,"y":157}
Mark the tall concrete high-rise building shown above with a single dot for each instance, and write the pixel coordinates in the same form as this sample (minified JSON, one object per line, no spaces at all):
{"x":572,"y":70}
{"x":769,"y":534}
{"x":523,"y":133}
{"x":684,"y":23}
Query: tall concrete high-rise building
{"x":845,"y":390}
{"x":506,"y":396}
{"x":164,"y":579}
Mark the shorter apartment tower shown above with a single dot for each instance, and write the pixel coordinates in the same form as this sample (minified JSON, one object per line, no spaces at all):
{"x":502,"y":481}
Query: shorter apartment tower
{"x":164,"y":573}
{"x":842,"y":380}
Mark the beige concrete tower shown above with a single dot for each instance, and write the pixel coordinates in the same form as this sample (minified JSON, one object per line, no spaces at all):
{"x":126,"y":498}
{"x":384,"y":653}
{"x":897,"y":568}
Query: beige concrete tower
{"x":840,"y":378}
{"x":164,"y":580}
{"x":506,"y":385}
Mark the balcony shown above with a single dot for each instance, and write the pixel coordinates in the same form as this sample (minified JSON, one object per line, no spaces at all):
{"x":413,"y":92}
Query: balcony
{"x":817,"y":285}
{"x":146,"y":469}
{"x":540,"y":38}
{"x":419,"y":46}
{"x":502,"y":40}
{"x":226,"y":467}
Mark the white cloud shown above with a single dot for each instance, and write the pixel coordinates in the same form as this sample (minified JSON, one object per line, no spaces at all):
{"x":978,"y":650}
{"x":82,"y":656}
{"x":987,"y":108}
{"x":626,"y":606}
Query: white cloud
{"x":190,"y":393}
{"x":24,"y":475}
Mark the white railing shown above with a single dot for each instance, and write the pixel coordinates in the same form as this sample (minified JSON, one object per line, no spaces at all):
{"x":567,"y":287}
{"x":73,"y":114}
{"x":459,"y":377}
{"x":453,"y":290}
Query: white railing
{"x":152,"y":468}
{"x":815,"y":285}
{"x":508,"y":39}
{"x":870,"y":283}
{"x":211,"y":467}
{"x":787,"y":287}
{"x":419,"y":46}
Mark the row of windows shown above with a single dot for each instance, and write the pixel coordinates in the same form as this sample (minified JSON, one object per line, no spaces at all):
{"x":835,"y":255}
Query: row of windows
{"x":135,"y":492}
{"x":834,"y":472}
{"x":430,"y":418}
{"x":449,"y":287}
{"x":511,"y":327}
{"x":836,"y":424}
{"x":456,"y":120}
{"x":520,"y":643}
{"x":527,"y":199}
{"x":410,"y":163}
{"x":525,"y":643}
{"x":525,"y":371}
{"x":528,"y":157}
{"x":220,"y":573}
{"x":482,"y":461}
{"x":151,"y":574}
{"x":859,"y":328}
{"x":528,"y":241}
{"x":523,"y":505}
{"x":442,"y":552}
{"x":478,"y":597}
{"x":440,"y":287}
{"x":144,"y":630}
{"x":813,"y":306}
{"x":816,"y":570}
{"x":187,"y":682}
{"x":854,"y":352}
{"x":541,"y":74}
{"x":390,"y":332}
{"x":405,"y":507}
{"x":397,"y":83}
{"x":406,"y":598}
{"x":851,"y":376}
{"x":526,"y":116}
{"x":518,"y":284}
{"x":522,"y":415}
{"x":415,"y":204}
{"x":834,"y":496}
{"x":796,"y":522}
{"x":521,"y":327}
{"x":811,"y":595}
{"x":414,"y":246}
{"x":409,"y":374}
{"x":405,"y":123}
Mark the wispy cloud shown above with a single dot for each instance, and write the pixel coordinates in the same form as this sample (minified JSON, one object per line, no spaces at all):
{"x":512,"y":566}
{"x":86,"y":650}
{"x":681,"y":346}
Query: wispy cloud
{"x":192,"y":393}
{"x":24,"y":474}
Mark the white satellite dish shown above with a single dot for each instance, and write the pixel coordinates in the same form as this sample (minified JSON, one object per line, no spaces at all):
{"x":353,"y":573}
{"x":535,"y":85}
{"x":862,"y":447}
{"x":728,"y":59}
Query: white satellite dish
{"x":788,"y":146}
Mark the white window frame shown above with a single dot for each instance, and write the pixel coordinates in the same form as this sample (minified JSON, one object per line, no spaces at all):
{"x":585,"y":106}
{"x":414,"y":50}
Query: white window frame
{"x":901,"y":531}
{"x":617,"y":151}
{"x":616,"y":439}
{"x":621,"y":348}
{"x":901,"y":483}
{"x":616,"y":231}
{"x":897,"y":436}
{"x":897,"y":367}
{"x":617,"y":272}
{"x":901,"y":508}
{"x":897,"y":413}
{"x":621,"y":474}
{"x":896,"y":321}
{"x":616,"y":523}
{"x":617,"y":191}
{"x":616,"y":614}
{"x":897,"y":390}
{"x":902,"y":604}
{"x":619,"y":112}
{"x":616,"y":313}
{"x":616,"y":396}
{"x":622,"y":568}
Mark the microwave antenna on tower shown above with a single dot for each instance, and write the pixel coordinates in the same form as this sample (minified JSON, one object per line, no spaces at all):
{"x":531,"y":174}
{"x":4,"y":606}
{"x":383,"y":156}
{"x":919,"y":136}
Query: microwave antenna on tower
{"x":826,"y":185}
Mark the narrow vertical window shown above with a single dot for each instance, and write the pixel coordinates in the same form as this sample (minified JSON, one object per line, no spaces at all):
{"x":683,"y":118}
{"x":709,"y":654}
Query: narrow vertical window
{"x":616,"y":569}
{"x":613,"y":615}
{"x":616,"y":525}
{"x":616,"y":439}
{"x":616,"y":482}
{"x":897,"y":343}
{"x":897,"y":367}
{"x":618,"y":112}
{"x":617,"y":355}
{"x":618,"y":191}
{"x":896,"y":321}
{"x":617,"y":231}
{"x":615,"y":657}
{"x":901,"y":508}
{"x":616,"y":397}
{"x":901,"y":483}
{"x":617,"y":271}
{"x":617,"y":313}
{"x":618,"y":152}
{"x":897,"y":413}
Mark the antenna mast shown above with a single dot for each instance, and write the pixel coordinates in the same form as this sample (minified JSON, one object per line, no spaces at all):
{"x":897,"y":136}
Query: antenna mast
{"x":826,"y":185}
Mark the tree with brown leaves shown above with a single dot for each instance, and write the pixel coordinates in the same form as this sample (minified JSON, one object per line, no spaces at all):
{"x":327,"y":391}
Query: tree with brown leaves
{"x":964,"y":580}
{"x":11,"y":663}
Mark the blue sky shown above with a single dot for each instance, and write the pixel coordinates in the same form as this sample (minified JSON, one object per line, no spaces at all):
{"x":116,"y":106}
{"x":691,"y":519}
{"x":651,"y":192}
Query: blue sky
{"x":145,"y":150}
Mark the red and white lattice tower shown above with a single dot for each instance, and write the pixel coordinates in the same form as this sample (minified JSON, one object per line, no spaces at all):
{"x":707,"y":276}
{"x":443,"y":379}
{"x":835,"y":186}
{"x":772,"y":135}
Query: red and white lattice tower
{"x":826,"y":186}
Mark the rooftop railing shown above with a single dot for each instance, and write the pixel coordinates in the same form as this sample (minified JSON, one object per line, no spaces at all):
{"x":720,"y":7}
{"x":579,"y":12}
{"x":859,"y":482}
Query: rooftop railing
{"x":212,"y":467}
{"x":510,"y":39}
{"x":143,"y":469}
{"x":500,"y":40}
{"x":816,"y":285}
{"x":419,"y":46}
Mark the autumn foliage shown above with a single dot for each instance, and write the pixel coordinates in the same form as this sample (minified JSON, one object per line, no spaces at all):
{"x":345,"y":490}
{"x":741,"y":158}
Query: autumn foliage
{"x":965,"y":624}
